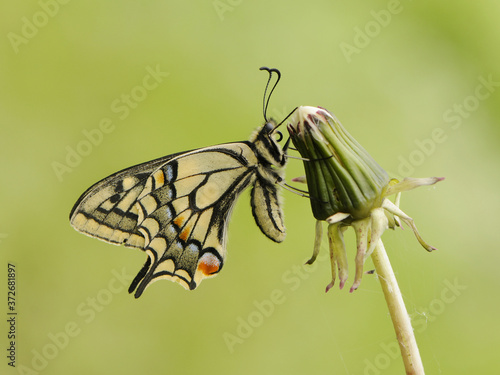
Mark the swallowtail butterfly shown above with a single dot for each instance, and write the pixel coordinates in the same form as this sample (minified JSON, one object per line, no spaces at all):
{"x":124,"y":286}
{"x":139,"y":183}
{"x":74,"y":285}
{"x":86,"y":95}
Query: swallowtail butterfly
{"x":177,"y":208}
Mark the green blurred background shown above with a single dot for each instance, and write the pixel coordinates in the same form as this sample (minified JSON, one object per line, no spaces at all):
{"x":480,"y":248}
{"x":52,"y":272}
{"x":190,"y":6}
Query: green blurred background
{"x":415,"y":82}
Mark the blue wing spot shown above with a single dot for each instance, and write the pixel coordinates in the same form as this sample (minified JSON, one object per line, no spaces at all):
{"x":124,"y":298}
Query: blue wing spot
{"x":193,"y":248}
{"x":171,"y":171}
{"x":169,"y":212}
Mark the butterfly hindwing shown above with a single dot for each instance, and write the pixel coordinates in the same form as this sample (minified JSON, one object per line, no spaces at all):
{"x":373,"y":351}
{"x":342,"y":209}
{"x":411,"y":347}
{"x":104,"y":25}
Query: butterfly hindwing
{"x":183,"y":213}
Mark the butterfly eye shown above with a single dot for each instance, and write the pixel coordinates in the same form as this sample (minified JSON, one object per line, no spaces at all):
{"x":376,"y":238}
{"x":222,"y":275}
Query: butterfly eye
{"x":268,"y":127}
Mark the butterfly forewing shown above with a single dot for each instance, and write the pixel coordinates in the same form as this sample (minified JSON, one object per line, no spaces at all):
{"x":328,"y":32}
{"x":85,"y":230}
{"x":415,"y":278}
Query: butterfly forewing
{"x":177,"y":208}
{"x":107,"y":209}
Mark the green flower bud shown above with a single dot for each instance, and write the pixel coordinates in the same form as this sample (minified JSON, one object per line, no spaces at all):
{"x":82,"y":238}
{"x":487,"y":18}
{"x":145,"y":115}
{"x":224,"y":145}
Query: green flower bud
{"x":347,"y":188}
{"x":341,"y":175}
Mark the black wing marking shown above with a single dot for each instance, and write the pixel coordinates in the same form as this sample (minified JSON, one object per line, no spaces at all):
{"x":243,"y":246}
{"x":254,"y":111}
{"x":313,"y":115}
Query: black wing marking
{"x":266,"y":208}
{"x":175,"y":208}
{"x":106,"y":210}
{"x":184,"y":220}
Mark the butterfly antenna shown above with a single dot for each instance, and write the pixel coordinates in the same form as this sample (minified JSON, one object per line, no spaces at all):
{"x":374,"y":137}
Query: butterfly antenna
{"x":286,"y":118}
{"x":265,"y":102}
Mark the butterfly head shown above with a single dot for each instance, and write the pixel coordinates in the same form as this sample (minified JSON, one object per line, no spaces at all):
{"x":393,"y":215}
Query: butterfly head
{"x":267,"y":143}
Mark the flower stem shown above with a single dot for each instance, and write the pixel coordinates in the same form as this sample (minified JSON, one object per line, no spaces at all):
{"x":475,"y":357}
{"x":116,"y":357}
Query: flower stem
{"x":399,"y":315}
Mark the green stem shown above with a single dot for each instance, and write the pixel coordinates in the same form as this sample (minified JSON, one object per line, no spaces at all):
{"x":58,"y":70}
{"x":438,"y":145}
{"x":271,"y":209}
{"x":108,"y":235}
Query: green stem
{"x":399,"y":315}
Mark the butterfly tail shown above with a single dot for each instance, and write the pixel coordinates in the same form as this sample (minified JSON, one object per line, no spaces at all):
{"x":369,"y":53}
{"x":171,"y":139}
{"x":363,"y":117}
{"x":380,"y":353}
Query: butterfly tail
{"x":150,"y":273}
{"x":140,"y":278}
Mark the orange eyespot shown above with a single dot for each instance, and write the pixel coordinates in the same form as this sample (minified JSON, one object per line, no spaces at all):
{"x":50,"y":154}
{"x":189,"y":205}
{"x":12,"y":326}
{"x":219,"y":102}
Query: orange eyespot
{"x":208,"y":264}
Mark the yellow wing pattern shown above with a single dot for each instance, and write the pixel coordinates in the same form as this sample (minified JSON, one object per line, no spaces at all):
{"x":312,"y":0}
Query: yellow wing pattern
{"x":177,"y":210}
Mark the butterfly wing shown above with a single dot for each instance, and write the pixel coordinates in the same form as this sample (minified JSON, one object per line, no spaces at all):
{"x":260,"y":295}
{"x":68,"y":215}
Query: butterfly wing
{"x":107,"y":209}
{"x":266,"y":208}
{"x":265,"y":199}
{"x":175,"y":208}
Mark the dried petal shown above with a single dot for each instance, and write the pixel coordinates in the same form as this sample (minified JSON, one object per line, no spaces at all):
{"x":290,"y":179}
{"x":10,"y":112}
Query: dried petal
{"x":317,"y":242}
{"x":410,"y":183}
{"x":393,"y":209}
{"x":379,"y":223}
{"x":361,"y":227}
{"x":338,"y":254}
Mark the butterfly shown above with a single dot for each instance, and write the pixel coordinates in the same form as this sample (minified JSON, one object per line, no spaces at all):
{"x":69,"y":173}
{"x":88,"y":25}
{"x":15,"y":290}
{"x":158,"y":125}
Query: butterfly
{"x":177,"y":208}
